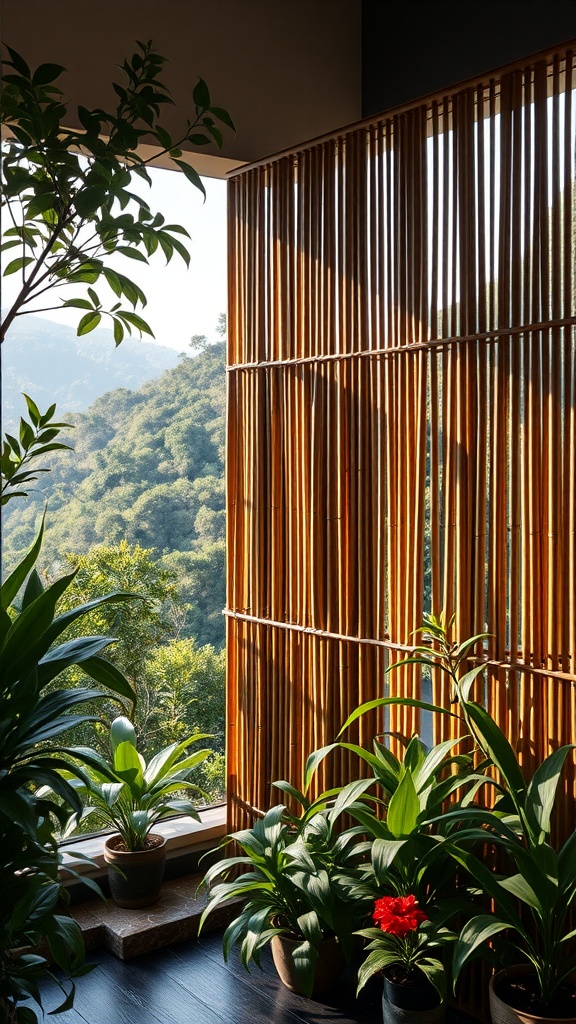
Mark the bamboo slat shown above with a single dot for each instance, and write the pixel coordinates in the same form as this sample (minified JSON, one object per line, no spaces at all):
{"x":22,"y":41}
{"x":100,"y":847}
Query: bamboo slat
{"x":402,"y":424}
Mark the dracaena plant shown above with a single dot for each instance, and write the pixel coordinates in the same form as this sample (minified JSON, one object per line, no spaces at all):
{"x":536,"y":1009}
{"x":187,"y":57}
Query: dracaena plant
{"x":403,"y":813}
{"x":34,"y":716}
{"x":127,"y":794}
{"x":296,"y":874}
{"x":534,"y":891}
{"x":68,"y":196}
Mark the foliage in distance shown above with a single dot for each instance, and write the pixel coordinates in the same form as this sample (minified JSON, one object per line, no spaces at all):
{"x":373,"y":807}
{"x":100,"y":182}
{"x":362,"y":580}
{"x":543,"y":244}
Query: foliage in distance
{"x":148,"y":469}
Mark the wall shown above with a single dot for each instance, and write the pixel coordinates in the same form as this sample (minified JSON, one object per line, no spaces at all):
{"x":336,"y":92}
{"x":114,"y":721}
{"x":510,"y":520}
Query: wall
{"x":414,"y":47}
{"x":287,"y":70}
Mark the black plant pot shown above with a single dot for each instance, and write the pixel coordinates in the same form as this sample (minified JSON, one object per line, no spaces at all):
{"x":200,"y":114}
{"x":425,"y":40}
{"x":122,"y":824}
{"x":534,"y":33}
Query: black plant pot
{"x":411,"y":1002}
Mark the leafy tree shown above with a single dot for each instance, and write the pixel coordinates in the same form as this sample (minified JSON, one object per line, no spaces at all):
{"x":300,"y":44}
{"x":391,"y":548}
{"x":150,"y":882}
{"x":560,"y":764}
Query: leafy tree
{"x":202,"y":582}
{"x":184,"y":686}
{"x":138,"y":626}
{"x":68,"y":194}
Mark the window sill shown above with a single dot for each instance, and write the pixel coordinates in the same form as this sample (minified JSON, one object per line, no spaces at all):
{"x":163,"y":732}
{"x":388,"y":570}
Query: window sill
{"x":183,"y":836}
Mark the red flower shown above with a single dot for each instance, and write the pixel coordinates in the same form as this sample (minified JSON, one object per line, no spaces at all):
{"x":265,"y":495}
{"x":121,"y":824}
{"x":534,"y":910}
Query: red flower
{"x":398,"y":915}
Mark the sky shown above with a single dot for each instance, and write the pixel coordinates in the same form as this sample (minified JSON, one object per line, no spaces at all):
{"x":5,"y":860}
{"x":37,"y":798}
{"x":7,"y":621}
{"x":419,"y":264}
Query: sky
{"x":181,"y":302}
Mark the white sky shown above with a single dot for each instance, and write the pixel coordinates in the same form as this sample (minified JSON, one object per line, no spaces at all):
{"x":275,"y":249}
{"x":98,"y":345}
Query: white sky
{"x":181,"y":302}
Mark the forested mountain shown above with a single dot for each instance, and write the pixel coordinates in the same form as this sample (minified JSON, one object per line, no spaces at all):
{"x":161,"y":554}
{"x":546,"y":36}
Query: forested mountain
{"x":148,"y":469}
{"x":49,"y":362}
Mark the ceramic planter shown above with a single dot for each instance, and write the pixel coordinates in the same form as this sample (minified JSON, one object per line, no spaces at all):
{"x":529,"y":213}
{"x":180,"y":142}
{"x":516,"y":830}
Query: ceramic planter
{"x":411,"y":1004}
{"x":138,"y":884}
{"x":329,"y":965}
{"x":503,"y":1013}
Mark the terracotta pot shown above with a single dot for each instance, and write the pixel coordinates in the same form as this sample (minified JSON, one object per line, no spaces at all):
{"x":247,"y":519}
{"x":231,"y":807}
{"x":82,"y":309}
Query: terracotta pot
{"x":142,"y":871}
{"x":411,"y":1004}
{"x":329,"y":965}
{"x":503,"y":1013}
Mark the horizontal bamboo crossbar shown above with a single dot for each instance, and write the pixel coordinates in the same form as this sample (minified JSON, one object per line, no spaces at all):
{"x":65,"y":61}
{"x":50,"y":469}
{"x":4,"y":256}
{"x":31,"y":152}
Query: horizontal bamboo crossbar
{"x":518,"y":665}
{"x":394,"y":350}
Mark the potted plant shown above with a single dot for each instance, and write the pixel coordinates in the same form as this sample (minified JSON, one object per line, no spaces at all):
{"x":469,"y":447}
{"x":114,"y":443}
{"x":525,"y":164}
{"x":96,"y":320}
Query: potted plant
{"x":534,"y":890}
{"x":296,"y":889}
{"x":34,"y":715}
{"x":533,"y":893}
{"x":405,"y":946}
{"x":131,"y":796}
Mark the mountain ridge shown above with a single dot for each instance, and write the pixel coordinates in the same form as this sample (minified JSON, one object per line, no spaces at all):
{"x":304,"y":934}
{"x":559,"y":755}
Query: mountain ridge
{"x":48,"y":361}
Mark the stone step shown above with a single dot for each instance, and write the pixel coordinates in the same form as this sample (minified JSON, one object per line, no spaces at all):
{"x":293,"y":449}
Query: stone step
{"x":129,"y":933}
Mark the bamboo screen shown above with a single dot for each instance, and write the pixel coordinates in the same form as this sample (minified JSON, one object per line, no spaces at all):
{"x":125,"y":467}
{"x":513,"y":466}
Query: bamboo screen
{"x":402,"y":423}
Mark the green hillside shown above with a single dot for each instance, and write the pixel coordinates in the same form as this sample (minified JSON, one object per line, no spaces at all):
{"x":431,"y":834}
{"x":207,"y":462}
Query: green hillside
{"x":50,"y":362}
{"x":148,"y":469}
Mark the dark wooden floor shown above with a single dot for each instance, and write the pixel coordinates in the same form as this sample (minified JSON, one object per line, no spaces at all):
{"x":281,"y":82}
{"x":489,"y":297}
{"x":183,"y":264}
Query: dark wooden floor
{"x":190,"y":984}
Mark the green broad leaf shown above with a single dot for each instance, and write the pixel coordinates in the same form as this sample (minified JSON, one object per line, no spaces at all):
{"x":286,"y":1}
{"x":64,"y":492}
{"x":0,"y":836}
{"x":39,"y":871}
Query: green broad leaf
{"x":14,"y":581}
{"x":201,"y":95}
{"x":18,"y":63}
{"x":27,"y":639}
{"x":118,"y":332}
{"x":89,"y":199}
{"x":384,"y":852}
{"x":178,"y":806}
{"x":33,"y":411}
{"x":488,"y":882}
{"x":88,"y":323}
{"x":518,"y":886}
{"x":122,"y":731}
{"x":466,"y":682}
{"x":316,"y":758}
{"x":224,"y":116}
{"x":216,"y":135}
{"x":196,"y":139}
{"x":109,"y":676}
{"x":495,"y":746}
{"x":18,"y":264}
{"x":434,"y":761}
{"x":403,"y":808}
{"x":348,"y":796}
{"x":380,"y":702}
{"x":192,"y":175}
{"x":541,"y":792}
{"x":435,"y":972}
{"x":135,"y":321}
{"x":74,"y":652}
{"x":128,"y":765}
{"x":47,"y":73}
{"x":414,"y":756}
{"x":286,"y":787}
{"x":33,"y":589}
{"x":376,"y":961}
{"x":472,"y":937}
{"x":78,"y":304}
{"x":131,"y":253}
{"x":567,"y":866}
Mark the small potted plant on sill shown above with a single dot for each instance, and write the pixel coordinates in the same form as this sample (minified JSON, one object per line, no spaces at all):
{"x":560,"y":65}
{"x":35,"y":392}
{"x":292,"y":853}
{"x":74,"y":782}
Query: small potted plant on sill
{"x":405,"y":945}
{"x":296,"y":891}
{"x":131,"y":796}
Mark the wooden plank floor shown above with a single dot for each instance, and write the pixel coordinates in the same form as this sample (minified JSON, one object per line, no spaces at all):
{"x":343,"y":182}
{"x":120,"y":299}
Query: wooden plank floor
{"x":189,"y":983}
